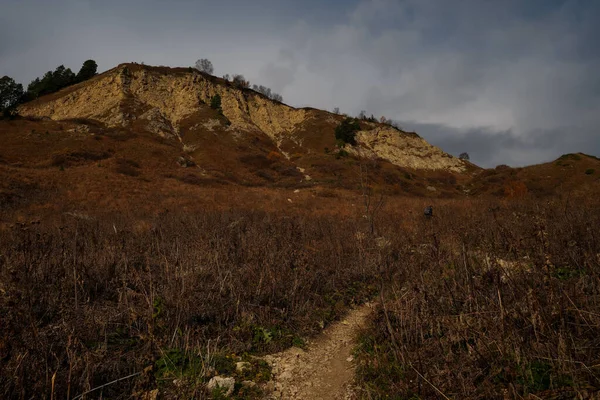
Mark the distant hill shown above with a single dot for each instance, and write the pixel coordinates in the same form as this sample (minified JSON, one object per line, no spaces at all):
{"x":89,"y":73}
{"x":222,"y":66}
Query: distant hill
{"x":575,"y":173}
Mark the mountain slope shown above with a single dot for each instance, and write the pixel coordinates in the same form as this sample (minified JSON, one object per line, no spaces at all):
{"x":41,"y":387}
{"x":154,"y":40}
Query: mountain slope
{"x":145,"y":140}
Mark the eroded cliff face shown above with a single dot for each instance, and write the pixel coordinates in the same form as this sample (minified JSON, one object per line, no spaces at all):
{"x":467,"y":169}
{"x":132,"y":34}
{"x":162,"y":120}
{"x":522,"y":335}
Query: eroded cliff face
{"x":113,"y":98}
{"x":403,"y":149}
{"x":131,"y":92}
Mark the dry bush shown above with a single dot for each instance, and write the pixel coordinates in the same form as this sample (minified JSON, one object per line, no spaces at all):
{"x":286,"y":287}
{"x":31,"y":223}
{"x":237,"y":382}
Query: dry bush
{"x":89,"y":301}
{"x":489,"y":301}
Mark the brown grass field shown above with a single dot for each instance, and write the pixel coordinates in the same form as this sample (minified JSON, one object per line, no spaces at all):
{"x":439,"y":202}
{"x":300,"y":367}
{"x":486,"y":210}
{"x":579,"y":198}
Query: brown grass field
{"x":488,"y":299}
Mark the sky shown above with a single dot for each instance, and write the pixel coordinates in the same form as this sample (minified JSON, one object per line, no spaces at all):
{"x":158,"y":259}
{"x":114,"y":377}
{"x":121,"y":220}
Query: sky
{"x":512,"y":82}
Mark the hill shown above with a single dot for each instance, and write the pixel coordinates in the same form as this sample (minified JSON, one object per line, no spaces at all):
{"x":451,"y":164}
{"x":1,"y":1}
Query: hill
{"x":147,"y":139}
{"x":570,"y":174}
{"x":150,"y":139}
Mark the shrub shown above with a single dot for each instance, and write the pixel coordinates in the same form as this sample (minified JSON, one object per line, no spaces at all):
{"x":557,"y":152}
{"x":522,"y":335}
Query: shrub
{"x":215,"y":102}
{"x":346,"y":131}
{"x":590,"y":171}
{"x":240,"y":81}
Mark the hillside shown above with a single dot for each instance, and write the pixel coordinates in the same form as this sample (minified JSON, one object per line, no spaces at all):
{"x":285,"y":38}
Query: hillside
{"x":173,"y":103}
{"x":570,"y":174}
{"x":147,"y":139}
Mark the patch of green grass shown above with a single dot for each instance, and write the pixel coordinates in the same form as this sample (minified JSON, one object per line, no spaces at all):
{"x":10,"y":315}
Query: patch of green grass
{"x":297,"y":341}
{"x":539,"y":376}
{"x":377,"y":368}
{"x":224,"y":364}
{"x":564,"y":273}
{"x":174,"y":363}
{"x":258,"y":370}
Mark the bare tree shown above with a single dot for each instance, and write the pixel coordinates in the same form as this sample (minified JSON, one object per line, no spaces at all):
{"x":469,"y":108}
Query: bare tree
{"x":336,"y":110}
{"x":267,"y":92}
{"x":262,"y":89}
{"x":204,"y":65}
{"x":372,"y":205}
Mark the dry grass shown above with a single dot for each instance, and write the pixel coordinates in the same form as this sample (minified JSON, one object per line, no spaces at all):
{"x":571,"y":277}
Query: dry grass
{"x":86,"y":302}
{"x":489,"y":301}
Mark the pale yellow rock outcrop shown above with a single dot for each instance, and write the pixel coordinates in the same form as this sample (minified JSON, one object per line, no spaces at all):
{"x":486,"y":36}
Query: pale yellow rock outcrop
{"x":123,"y":94}
{"x":403,"y":149}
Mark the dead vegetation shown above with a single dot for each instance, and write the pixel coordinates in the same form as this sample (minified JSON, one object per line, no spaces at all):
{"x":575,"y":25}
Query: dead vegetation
{"x":91,"y":300}
{"x":496,"y":301}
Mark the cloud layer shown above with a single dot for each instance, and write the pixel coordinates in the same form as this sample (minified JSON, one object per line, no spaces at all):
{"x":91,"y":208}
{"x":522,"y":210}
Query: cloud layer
{"x":510,"y":82}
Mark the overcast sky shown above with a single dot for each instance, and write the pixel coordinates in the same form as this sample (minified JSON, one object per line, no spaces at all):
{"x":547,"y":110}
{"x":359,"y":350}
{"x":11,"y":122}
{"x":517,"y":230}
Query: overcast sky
{"x":509,"y":81}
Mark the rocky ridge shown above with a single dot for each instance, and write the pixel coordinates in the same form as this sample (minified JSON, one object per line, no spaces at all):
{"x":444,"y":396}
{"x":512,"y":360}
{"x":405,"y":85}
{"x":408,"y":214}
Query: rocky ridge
{"x":162,"y":100}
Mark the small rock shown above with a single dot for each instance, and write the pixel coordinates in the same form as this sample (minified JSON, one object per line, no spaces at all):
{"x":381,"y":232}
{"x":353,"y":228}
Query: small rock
{"x":350,"y":359}
{"x":290,"y":200}
{"x":297,"y":191}
{"x":285,"y":375}
{"x":225,"y":383}
{"x":431,"y":188}
{"x":270,"y":386}
{"x":248,"y":384}
{"x":151,"y":395}
{"x":242,"y":366}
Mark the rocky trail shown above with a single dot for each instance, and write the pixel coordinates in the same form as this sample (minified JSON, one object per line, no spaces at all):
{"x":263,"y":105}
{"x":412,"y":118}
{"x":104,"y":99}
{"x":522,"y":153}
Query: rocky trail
{"x":325,"y":370}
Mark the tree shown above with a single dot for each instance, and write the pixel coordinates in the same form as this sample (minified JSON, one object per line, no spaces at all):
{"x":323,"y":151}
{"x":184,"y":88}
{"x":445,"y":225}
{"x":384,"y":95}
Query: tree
{"x":362,"y":115}
{"x":88,"y":70}
{"x":215,"y":102}
{"x":204,"y":65}
{"x":336,"y":110}
{"x":262,"y":89}
{"x":267,"y":92}
{"x":346,"y":131}
{"x":51,"y":82}
{"x":63,"y":77}
{"x":11,"y":94}
{"x":227,"y":77}
{"x":240,"y":81}
{"x":464,"y":156}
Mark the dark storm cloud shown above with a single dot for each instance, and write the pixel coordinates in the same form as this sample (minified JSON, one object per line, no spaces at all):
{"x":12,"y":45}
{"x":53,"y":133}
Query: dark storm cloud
{"x":508,"y":81}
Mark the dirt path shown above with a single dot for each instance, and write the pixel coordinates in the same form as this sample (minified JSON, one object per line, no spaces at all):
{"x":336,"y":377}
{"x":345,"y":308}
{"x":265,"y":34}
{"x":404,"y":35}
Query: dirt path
{"x":325,"y":370}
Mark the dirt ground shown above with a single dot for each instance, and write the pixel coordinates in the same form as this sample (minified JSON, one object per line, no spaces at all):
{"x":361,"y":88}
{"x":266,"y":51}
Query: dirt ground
{"x":325,"y":370}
